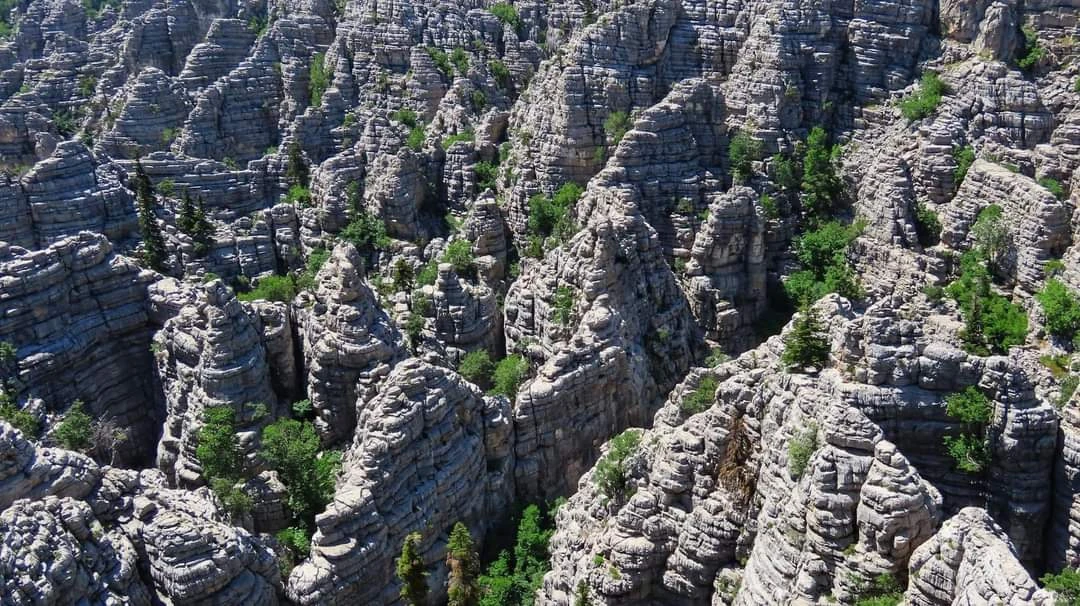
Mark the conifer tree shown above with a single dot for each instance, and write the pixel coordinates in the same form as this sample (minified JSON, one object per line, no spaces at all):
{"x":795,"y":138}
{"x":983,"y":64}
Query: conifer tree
{"x":464,"y":563}
{"x":807,"y":345}
{"x":185,"y":216}
{"x":410,"y":569}
{"x":296,"y":170}
{"x":153,"y":243}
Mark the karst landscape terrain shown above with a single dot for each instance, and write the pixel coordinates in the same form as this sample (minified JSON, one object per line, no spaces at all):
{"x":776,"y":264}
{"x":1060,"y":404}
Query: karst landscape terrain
{"x":539,"y":302}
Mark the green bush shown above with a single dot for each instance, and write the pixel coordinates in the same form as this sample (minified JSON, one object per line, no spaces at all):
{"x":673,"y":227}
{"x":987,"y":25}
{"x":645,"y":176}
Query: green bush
{"x":884,"y":591}
{"x":218,"y":449}
{"x":19,"y":418}
{"x":702,"y":398}
{"x":466,"y":136}
{"x":1032,"y":53}
{"x":486,"y":174}
{"x":927,"y":225}
{"x":507,"y":14}
{"x":405,"y":116}
{"x":969,"y":451}
{"x":806,"y":345}
{"x":992,"y":322}
{"x":769,"y":206}
{"x":1062,"y":309}
{"x":716,"y":357}
{"x":366,"y":232}
{"x":514,"y":576}
{"x":232,"y":497}
{"x":563,"y":305}
{"x":271,"y":288}
{"x":1068,"y":388}
{"x":441,"y":60}
{"x":476,"y":366}
{"x":459,"y":254}
{"x":1053,"y":186}
{"x":460,"y":60}
{"x":925,"y":101}
{"x":991,"y":236}
{"x":785,"y":172}
{"x":610,"y":473}
{"x":969,"y":406}
{"x":298,"y":195}
{"x":964,"y":157}
{"x":291,"y":448}
{"x":318,"y":78}
{"x":315,"y":262}
{"x":823,"y":254}
{"x":1066,"y":586}
{"x":500,"y":72}
{"x":551,"y":216}
{"x":416,"y":137}
{"x":75,"y":431}
{"x":508,"y":376}
{"x":296,"y":540}
{"x":743,"y":151}
{"x":428,"y":274}
{"x":821,"y":187}
{"x":800,"y":448}
{"x":616,"y":125}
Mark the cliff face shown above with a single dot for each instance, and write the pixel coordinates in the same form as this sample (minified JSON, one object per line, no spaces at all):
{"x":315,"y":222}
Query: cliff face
{"x":500,"y":253}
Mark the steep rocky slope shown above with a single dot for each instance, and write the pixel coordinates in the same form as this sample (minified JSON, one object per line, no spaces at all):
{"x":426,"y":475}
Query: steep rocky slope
{"x":463,"y":257}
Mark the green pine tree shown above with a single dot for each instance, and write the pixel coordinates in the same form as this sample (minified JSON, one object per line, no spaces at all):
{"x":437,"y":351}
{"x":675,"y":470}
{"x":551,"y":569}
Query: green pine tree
{"x":410,"y":569}
{"x":153,"y":243}
{"x":296,"y":170}
{"x":202,"y":230}
{"x":581,"y":595}
{"x":185,"y":215}
{"x":807,"y":345}
{"x":464,"y":563}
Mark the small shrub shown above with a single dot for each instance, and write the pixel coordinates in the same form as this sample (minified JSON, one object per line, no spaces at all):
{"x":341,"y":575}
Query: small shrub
{"x":8,"y":352}
{"x":610,"y":474}
{"x":87,"y":85}
{"x":405,"y":116}
{"x":716,"y":357}
{"x":785,"y":172}
{"x":441,"y":60}
{"x":1062,"y":309}
{"x":884,"y":591}
{"x":291,"y":448}
{"x":551,"y":216}
{"x":1053,"y":186}
{"x":507,"y":14}
{"x":563,"y":305}
{"x":428,"y":274}
{"x":476,"y":366}
{"x":296,"y":540}
{"x":218,"y":449}
{"x":366,"y":232}
{"x":1065,"y":584}
{"x":1033,"y":53}
{"x":271,"y":288}
{"x":416,"y":137}
{"x":460,"y":60}
{"x":769,"y":206}
{"x":743,"y":151}
{"x":924,"y":102}
{"x":500,"y":72}
{"x":969,"y":406}
{"x":969,"y":451}
{"x":74,"y":432}
{"x":821,"y":187}
{"x":1068,"y":388}
{"x":236,"y":502}
{"x":964,"y":157}
{"x":465,"y":136}
{"x":318,"y":78}
{"x":800,"y":448}
{"x":19,"y":418}
{"x":486,"y":174}
{"x":702,"y":398}
{"x":927,"y":225}
{"x":508,"y":376}
{"x":298,"y":195}
{"x":315,"y":262}
{"x":459,"y":254}
{"x":616,"y":125}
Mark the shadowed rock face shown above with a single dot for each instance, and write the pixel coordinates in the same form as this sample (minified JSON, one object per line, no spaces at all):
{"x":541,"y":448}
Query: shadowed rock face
{"x":472,"y":243}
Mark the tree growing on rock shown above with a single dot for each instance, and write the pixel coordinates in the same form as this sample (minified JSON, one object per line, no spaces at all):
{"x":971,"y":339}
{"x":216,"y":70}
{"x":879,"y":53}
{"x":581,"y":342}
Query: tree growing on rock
{"x":410,"y":569}
{"x":296,"y":169}
{"x":153,"y":254}
{"x":806,"y":346}
{"x":191,"y":219}
{"x":464,"y":563}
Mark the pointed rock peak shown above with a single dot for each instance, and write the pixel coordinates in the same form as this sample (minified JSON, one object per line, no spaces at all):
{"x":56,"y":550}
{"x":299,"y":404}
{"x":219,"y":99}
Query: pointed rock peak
{"x":341,"y":279}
